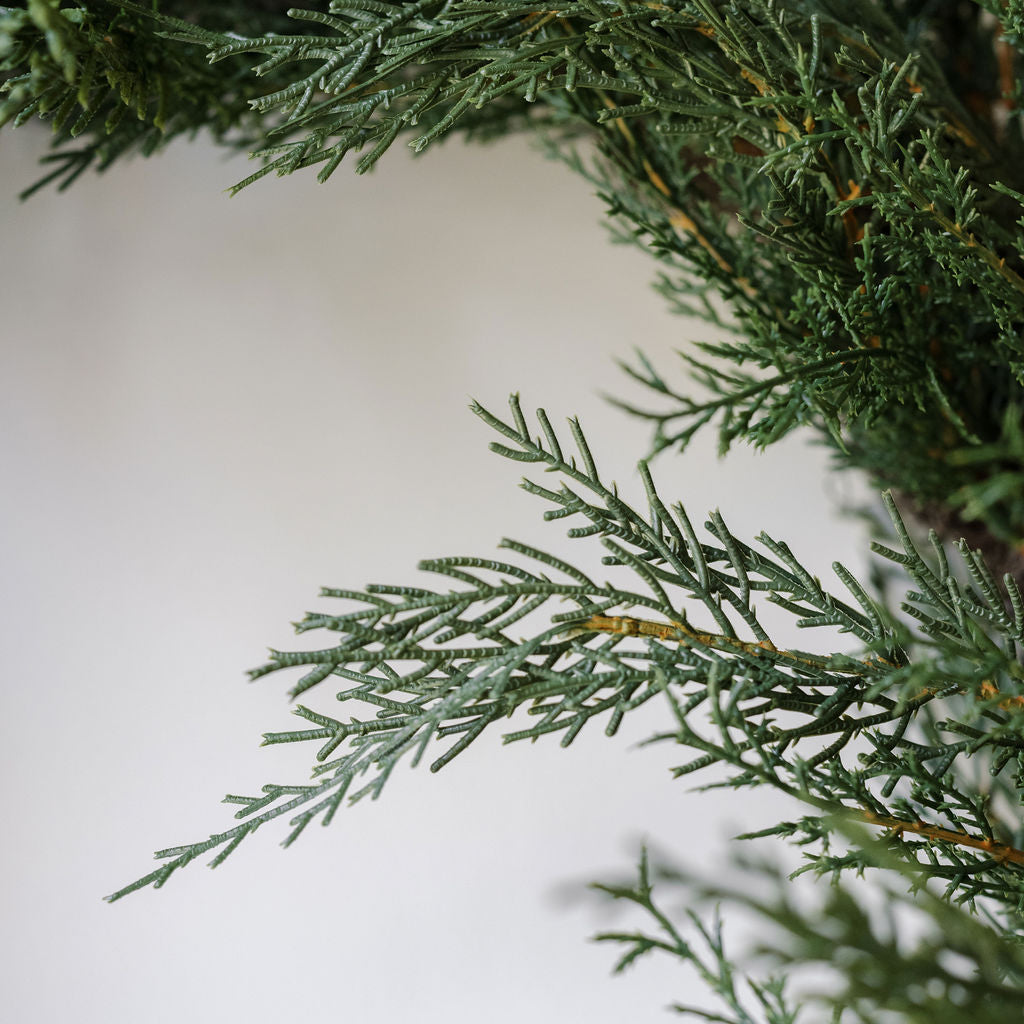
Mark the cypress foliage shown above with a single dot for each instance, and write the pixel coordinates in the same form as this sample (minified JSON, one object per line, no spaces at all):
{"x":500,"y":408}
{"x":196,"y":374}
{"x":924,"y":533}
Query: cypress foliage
{"x":838,"y":187}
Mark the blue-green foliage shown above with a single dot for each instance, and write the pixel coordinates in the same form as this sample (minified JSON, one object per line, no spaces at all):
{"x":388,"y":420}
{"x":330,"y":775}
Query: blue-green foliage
{"x":933,"y":703}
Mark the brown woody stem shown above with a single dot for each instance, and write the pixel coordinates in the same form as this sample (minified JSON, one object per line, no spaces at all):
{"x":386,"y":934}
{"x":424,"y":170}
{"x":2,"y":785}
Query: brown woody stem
{"x":1001,"y":852}
{"x":685,"y":635}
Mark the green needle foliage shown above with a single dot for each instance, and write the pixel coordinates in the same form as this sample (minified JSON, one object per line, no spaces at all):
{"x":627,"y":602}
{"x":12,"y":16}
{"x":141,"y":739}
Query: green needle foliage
{"x":103,"y":78}
{"x":845,"y":177}
{"x":444,"y":665}
{"x":955,"y":967}
{"x":837,"y":188}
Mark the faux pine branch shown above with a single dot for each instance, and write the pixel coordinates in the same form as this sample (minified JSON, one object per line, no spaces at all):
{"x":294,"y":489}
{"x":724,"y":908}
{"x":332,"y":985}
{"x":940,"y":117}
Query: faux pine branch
{"x":838,"y":189}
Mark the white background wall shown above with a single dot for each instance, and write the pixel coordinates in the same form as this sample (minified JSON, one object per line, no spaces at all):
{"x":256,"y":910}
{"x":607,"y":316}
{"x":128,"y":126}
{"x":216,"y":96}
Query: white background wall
{"x":212,"y":407}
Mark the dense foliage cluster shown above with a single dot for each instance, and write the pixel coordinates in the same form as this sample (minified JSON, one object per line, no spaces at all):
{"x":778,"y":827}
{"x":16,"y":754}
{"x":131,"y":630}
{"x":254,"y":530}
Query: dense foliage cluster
{"x":838,"y":187}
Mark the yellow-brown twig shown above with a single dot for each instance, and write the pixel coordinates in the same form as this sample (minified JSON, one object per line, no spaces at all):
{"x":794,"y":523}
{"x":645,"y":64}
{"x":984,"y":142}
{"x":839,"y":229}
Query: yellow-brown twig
{"x":1001,"y":852}
{"x":685,"y":635}
{"x":683,"y":224}
{"x":988,"y":689}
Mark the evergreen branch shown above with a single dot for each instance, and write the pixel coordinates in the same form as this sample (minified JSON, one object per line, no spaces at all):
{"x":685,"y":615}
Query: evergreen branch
{"x":838,"y":194}
{"x":916,"y":959}
{"x":710,"y":961}
{"x":740,"y":401}
{"x":443,"y":666}
{"x":105,"y":79}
